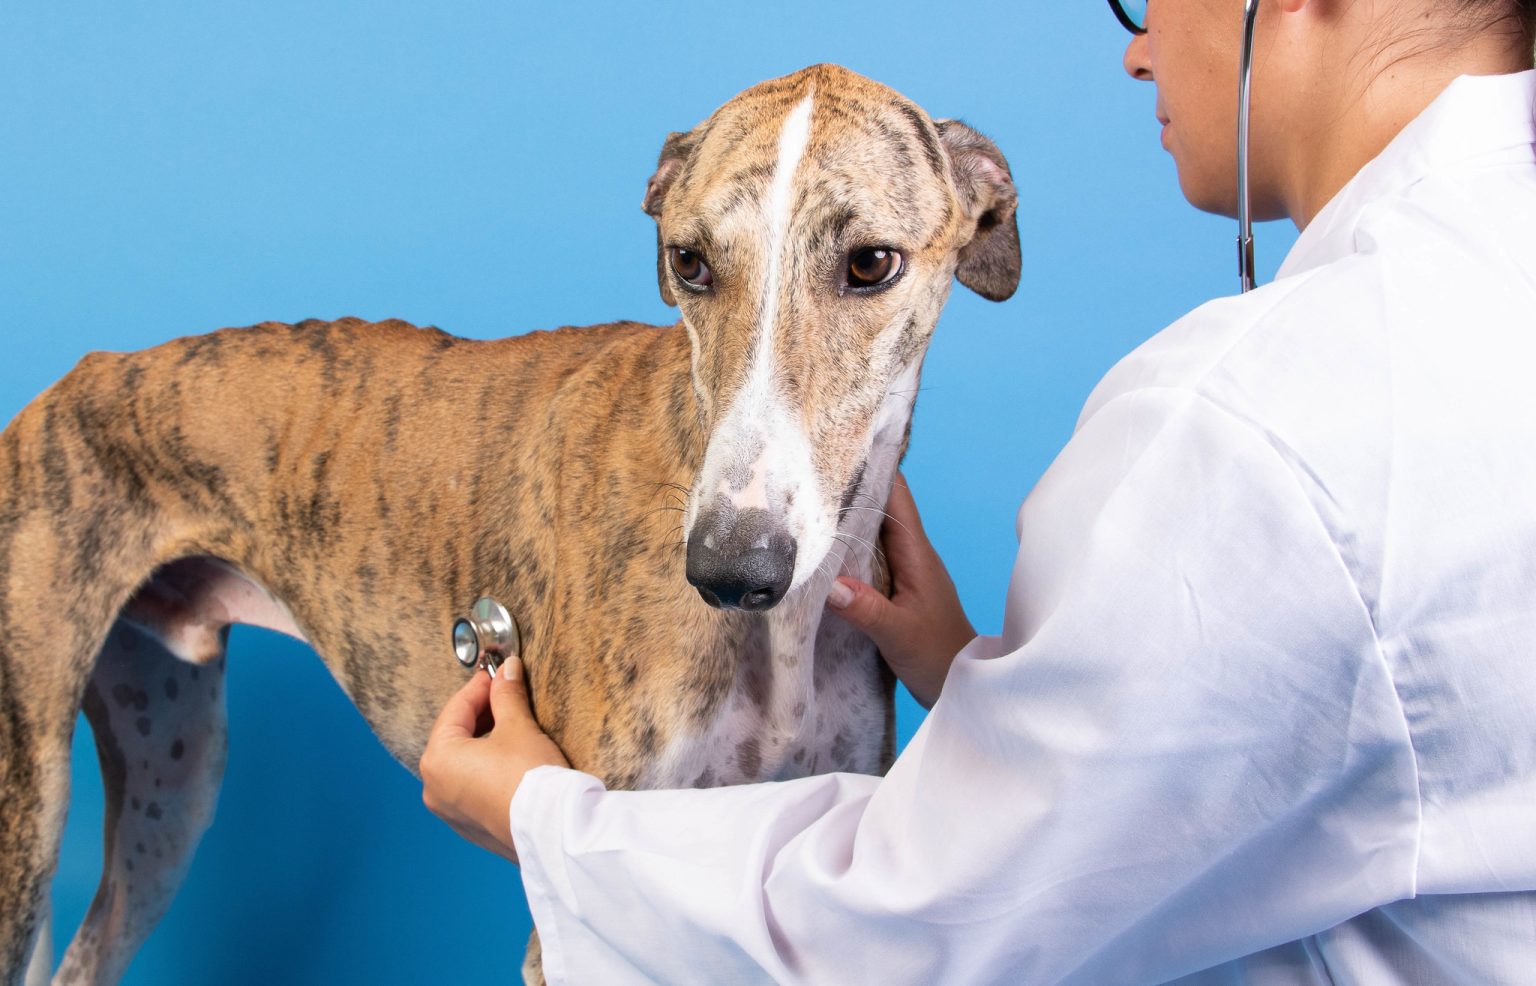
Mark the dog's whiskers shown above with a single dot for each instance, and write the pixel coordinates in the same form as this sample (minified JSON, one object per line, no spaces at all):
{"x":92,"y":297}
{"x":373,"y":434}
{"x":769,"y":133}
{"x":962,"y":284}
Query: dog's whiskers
{"x":874,"y":550}
{"x":885,"y":515}
{"x":879,"y":510}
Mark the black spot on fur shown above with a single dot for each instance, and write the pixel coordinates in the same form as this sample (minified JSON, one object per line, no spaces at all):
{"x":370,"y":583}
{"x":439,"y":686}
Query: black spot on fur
{"x":177,"y":749}
{"x":143,"y":725}
{"x":748,"y":758}
{"x":152,"y":812}
{"x":170,"y":689}
{"x":757,"y":683}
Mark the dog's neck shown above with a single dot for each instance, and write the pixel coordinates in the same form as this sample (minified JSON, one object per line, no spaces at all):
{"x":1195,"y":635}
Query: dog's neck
{"x":798,"y":648}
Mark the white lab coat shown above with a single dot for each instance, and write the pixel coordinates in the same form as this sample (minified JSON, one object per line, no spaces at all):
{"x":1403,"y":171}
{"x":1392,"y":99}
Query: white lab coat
{"x":1263,"y":709}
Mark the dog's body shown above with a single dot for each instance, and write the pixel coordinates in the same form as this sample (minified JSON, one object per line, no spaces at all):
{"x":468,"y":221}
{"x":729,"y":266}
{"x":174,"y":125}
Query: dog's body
{"x":359,"y":485}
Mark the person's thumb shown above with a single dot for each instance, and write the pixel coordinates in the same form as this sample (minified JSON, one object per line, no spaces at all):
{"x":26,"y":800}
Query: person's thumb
{"x":863,"y":606}
{"x":509,"y":693}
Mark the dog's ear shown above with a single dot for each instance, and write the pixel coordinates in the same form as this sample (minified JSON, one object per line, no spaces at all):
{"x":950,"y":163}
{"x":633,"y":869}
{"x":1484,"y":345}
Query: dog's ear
{"x":674,"y":153}
{"x":990,"y":263}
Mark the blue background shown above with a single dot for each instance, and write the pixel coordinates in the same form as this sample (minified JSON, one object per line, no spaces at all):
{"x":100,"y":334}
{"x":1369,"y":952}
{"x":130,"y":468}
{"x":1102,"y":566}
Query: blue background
{"x":172,"y":167}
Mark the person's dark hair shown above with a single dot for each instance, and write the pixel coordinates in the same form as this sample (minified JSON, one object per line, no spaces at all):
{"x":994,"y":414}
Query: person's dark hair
{"x":1518,"y":17}
{"x":1407,"y":35}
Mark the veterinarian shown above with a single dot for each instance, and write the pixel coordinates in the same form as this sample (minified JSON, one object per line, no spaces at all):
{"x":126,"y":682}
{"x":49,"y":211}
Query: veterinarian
{"x":1263,"y":709}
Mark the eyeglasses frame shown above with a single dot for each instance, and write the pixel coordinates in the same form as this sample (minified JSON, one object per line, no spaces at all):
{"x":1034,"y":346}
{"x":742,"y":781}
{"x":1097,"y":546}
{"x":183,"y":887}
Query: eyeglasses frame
{"x":1125,"y":19}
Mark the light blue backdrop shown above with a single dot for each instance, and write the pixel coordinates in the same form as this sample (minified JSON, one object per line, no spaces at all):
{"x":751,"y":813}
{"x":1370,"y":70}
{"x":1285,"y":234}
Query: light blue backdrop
{"x":172,"y":167}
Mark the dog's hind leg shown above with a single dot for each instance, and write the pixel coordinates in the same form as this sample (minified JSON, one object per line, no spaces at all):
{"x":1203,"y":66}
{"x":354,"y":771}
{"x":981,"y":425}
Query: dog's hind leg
{"x":161,"y":734}
{"x":34,"y":778}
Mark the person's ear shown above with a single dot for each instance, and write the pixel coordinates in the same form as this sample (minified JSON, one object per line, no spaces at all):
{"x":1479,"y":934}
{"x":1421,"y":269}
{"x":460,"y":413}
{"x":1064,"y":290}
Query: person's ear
{"x":990,"y":263}
{"x":674,"y":154}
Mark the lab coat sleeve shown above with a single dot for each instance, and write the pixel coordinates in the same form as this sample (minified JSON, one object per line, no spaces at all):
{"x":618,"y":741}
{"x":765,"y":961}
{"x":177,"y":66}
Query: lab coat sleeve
{"x":1184,"y":748}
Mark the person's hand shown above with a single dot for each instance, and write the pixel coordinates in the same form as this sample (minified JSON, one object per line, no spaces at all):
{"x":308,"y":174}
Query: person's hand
{"x":922,"y":626}
{"x":468,"y":777}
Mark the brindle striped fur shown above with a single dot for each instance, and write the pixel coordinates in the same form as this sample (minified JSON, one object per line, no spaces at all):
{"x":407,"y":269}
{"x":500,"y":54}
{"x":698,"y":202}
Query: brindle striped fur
{"x":376,"y":478}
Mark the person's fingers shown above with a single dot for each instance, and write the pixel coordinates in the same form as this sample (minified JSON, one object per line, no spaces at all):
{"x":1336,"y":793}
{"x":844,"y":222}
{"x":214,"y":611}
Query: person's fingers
{"x":509,"y":694}
{"x":902,"y":505}
{"x":460,"y":714}
{"x":862,"y":606}
{"x":906,"y":543}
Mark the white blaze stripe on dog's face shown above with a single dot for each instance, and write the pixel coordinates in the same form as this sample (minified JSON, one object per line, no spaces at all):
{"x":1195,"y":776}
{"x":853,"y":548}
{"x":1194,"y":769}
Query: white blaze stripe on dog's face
{"x":795,"y":134}
{"x":759,"y":422}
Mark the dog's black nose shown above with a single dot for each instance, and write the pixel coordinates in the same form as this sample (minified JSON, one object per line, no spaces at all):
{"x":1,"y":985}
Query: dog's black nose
{"x":740,"y":559}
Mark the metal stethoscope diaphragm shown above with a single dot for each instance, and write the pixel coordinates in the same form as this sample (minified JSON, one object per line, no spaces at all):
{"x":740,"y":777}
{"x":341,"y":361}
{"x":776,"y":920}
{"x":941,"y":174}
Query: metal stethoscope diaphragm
{"x":487,"y":637}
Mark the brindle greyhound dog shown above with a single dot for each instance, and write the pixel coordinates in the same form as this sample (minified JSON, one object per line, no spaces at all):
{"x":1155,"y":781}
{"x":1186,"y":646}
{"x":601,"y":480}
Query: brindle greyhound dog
{"x":326,"y":480}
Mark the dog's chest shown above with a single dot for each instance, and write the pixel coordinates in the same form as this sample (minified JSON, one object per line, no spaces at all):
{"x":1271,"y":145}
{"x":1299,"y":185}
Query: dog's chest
{"x":812,"y":702}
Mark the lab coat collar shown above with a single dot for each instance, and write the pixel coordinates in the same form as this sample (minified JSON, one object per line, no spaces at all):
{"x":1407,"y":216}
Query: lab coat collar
{"x":1473,"y":116}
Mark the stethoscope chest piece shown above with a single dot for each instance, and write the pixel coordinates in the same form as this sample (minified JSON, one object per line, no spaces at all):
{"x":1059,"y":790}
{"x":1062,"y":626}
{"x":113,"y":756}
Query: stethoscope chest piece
{"x":487,"y":636}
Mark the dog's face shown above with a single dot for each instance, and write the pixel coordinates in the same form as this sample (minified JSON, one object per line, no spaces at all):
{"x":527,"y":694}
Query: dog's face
{"x":809,"y":231}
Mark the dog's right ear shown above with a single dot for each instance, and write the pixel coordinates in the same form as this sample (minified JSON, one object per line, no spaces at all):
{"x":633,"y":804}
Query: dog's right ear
{"x":674,"y":153}
{"x":991,"y":263}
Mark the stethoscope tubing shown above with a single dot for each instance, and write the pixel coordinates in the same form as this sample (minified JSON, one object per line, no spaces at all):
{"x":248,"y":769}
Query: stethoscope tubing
{"x":1244,"y":202}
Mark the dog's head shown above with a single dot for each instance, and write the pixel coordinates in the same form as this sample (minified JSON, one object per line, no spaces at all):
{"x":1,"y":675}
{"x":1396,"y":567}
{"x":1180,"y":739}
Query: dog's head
{"x":809,"y":231}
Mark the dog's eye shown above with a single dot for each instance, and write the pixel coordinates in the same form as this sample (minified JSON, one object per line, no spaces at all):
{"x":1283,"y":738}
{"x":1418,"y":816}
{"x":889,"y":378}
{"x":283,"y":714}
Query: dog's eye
{"x":872,"y":266}
{"x":691,"y":267}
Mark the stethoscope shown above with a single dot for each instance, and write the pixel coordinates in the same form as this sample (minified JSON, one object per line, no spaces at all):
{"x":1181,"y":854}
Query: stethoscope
{"x":1137,"y":25}
{"x":486,"y":637}
{"x":1244,"y":207}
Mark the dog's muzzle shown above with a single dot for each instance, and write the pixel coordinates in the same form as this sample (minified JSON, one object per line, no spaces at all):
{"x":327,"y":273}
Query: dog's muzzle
{"x":740,"y":559}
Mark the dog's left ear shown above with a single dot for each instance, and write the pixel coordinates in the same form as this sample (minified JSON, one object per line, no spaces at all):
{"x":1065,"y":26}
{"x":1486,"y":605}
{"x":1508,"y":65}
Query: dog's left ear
{"x":990,"y":263}
{"x":674,"y":153}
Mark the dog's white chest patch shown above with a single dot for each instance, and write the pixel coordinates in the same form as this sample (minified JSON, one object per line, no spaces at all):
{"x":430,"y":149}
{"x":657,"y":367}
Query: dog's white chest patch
{"x":814,"y":706}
